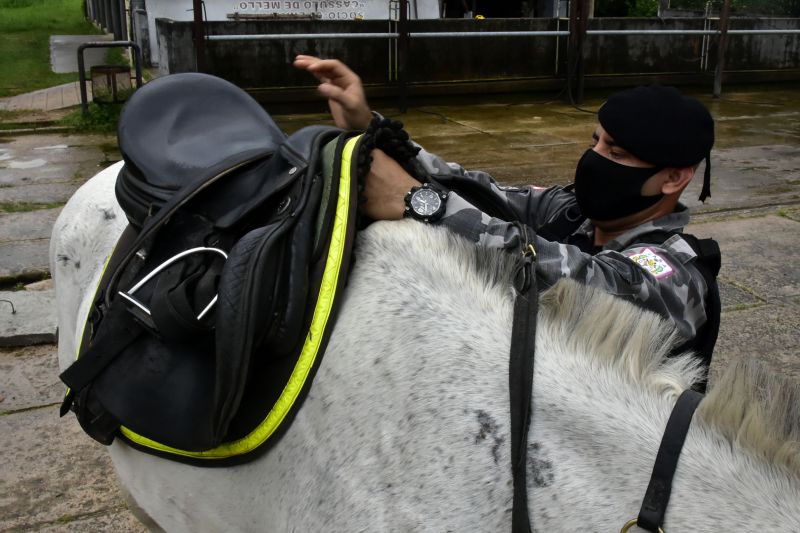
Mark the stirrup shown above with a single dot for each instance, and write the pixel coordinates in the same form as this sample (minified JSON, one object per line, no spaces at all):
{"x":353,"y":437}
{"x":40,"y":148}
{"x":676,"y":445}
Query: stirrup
{"x":129,"y":294}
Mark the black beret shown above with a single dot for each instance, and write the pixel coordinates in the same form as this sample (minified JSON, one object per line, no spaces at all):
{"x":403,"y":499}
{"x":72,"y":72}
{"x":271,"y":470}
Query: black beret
{"x":659,"y":125}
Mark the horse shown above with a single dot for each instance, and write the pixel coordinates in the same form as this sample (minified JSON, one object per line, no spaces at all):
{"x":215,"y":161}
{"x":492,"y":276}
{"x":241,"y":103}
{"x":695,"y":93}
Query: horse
{"x":406,"y":425}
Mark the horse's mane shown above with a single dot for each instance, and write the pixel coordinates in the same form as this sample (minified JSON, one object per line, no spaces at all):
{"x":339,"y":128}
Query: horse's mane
{"x":619,"y":334}
{"x":748,"y":405}
{"x":606,"y":328}
{"x":756,"y":409}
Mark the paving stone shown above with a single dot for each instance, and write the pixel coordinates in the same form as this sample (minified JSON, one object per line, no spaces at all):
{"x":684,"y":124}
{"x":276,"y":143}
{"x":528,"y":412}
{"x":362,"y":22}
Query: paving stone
{"x":29,"y":377}
{"x":120,"y":521}
{"x":768,"y":333}
{"x":44,"y":285}
{"x":27,"y":258}
{"x":37,"y":224}
{"x":733,"y":297}
{"x":51,"y":471}
{"x":40,"y":193}
{"x":759,"y":254}
{"x":53,"y":158}
{"x":35,"y":319}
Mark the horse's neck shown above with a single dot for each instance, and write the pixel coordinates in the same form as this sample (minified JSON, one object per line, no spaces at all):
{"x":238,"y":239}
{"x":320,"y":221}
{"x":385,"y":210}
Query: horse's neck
{"x":593,"y":443}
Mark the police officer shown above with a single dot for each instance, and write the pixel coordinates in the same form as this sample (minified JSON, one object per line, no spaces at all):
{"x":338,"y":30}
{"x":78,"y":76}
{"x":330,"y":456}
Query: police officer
{"x":618,"y":227}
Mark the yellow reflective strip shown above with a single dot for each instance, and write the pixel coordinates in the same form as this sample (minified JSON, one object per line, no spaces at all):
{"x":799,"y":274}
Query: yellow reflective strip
{"x":308,"y":354}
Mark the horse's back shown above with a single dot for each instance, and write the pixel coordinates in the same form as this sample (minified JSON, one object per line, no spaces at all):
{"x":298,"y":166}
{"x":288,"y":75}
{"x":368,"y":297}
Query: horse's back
{"x":83,"y":236}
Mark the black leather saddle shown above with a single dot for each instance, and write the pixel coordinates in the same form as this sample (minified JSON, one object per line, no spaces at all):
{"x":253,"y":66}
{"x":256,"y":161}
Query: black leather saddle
{"x":201,"y":320}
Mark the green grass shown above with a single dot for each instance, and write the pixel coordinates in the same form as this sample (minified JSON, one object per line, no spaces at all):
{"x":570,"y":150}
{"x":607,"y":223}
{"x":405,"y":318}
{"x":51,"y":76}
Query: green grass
{"x":101,"y":118}
{"x":25,"y":30}
{"x":24,"y":207}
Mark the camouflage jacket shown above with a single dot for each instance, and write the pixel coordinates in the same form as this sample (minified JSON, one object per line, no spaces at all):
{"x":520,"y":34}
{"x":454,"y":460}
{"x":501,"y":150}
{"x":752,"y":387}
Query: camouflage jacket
{"x":662,"y":278}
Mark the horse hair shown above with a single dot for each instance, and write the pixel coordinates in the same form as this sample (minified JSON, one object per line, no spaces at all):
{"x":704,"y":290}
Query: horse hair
{"x":757,"y":409}
{"x":613,"y":332}
{"x":603,"y":327}
{"x":749,"y":405}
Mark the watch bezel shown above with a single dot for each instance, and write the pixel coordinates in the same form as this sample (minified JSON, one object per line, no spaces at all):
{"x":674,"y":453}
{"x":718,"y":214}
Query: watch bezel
{"x":436,"y":215}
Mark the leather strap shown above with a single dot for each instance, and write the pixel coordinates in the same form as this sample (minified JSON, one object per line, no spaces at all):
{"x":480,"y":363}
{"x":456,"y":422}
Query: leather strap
{"x":520,"y":379}
{"x":656,"y":499}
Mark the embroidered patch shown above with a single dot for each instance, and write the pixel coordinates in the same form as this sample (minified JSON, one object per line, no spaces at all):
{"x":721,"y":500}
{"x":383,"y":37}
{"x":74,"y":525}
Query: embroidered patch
{"x":653,"y":263}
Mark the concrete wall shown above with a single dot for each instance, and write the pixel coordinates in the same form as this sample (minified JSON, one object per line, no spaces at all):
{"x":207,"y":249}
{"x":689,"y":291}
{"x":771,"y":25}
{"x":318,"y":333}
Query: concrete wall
{"x":327,"y":10}
{"x":689,"y":53}
{"x":666,"y":58}
{"x":483,"y":58}
{"x":253,"y":64}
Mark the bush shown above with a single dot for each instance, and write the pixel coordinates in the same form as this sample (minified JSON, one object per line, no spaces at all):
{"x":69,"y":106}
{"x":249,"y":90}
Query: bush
{"x":101,"y":118}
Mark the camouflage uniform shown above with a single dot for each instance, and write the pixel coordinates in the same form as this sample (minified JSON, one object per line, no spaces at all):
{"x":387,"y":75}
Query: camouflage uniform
{"x":662,"y":278}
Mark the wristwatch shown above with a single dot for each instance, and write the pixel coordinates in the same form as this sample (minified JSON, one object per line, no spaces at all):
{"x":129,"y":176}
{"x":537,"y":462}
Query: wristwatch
{"x":426,"y":203}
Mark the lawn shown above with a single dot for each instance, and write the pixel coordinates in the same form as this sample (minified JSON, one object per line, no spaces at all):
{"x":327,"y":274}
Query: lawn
{"x":25,"y":30}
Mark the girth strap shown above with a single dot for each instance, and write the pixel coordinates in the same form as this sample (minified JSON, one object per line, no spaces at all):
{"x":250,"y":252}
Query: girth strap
{"x":656,"y":499}
{"x":520,"y":379}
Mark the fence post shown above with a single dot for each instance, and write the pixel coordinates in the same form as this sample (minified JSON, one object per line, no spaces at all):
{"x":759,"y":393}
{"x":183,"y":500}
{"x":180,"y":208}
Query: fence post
{"x":724,"y":18}
{"x":199,"y":36}
{"x":402,"y":55}
{"x":578,"y":24}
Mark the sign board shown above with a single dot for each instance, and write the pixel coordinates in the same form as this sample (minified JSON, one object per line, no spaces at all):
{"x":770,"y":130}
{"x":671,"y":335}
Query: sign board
{"x":318,"y":9}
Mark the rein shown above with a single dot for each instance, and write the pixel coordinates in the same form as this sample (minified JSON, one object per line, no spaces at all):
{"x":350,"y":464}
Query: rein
{"x":520,"y":377}
{"x":656,"y":499}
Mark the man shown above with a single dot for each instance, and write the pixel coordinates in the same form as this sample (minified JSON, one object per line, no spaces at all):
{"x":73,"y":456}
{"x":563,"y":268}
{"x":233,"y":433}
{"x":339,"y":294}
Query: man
{"x":619,"y":229}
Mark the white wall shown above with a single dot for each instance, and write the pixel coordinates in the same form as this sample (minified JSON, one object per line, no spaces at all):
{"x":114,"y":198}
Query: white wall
{"x":324,"y":9}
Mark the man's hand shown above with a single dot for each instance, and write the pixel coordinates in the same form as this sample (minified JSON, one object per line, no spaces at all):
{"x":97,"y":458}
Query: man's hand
{"x":385,"y":188}
{"x":343,"y":89}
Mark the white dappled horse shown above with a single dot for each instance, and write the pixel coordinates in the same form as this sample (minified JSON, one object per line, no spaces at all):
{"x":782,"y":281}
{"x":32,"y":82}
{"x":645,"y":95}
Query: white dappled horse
{"x":406,"y":426}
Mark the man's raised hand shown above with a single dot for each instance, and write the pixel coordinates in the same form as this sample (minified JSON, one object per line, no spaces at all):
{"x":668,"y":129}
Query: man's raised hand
{"x":343,"y":89}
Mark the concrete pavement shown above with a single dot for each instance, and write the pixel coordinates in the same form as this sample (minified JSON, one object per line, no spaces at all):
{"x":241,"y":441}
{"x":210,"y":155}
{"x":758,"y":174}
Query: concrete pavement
{"x":57,"y":479}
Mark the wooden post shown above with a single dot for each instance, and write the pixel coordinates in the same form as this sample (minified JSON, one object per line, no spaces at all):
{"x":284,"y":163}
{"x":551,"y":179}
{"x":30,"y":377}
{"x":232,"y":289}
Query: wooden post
{"x":402,"y":55}
{"x":199,"y":36}
{"x":572,"y":47}
{"x":583,"y":25}
{"x":724,"y":18}
{"x":578,"y":24}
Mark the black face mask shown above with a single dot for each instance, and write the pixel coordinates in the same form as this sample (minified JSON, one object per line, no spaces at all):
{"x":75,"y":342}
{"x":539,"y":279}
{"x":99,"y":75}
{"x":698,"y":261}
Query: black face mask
{"x":606,"y":190}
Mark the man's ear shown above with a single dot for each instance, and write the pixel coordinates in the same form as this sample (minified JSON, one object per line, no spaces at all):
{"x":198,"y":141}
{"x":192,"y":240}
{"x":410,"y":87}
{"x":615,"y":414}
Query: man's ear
{"x":677,"y":179}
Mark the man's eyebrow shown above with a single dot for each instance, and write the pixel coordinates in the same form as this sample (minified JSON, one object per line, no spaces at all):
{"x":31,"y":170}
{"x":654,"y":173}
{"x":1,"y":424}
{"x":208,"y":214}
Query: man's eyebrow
{"x":609,"y":140}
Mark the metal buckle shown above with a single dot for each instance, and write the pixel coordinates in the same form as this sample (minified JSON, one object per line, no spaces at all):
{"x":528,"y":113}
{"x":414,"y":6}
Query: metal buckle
{"x":633,"y":522}
{"x":202,"y":249}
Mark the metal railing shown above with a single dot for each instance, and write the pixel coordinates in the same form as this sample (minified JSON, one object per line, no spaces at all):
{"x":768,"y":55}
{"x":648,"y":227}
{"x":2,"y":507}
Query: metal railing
{"x":137,"y":62}
{"x":577,"y":37}
{"x":474,"y":34}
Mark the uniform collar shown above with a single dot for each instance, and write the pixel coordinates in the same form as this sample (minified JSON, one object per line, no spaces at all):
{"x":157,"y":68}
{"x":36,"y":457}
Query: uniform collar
{"x":675,"y":221}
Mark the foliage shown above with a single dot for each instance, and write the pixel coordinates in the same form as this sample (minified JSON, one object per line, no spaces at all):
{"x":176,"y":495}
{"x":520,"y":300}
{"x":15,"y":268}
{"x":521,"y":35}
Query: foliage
{"x":643,"y":8}
{"x":101,"y":118}
{"x":649,"y":8}
{"x":25,"y":30}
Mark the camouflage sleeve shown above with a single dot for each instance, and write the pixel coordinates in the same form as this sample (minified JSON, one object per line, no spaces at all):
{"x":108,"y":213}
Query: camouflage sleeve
{"x":533,"y":206}
{"x":660,"y":278}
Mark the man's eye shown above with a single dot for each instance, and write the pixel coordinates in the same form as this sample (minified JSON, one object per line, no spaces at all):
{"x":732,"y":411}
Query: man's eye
{"x":616,"y":155}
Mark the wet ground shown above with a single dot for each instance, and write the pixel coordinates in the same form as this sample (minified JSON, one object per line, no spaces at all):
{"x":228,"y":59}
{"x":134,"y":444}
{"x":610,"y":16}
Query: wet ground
{"x":56,"y":479}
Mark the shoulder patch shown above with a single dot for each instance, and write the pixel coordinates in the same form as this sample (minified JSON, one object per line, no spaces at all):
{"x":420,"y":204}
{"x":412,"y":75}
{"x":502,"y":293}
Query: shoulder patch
{"x":652,"y":262}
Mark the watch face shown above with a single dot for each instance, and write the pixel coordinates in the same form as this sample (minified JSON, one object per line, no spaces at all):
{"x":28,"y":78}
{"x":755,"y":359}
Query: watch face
{"x":425,"y":202}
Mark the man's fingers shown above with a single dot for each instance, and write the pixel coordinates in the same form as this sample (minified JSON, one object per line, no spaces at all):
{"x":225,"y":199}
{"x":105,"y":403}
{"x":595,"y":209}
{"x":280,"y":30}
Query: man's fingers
{"x":335,"y":70}
{"x":336,"y":93}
